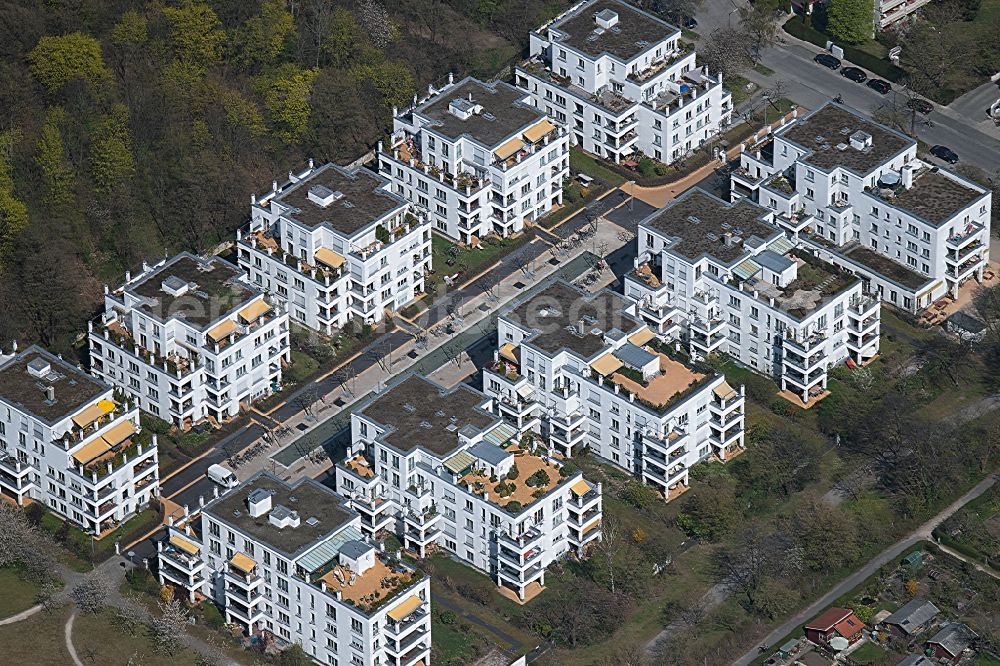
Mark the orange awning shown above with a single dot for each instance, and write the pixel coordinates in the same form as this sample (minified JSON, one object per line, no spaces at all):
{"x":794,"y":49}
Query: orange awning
{"x":328,"y":257}
{"x":606,"y":364}
{"x":243,"y":563}
{"x":222,"y":331}
{"x":253,"y":311}
{"x":94,"y":412}
{"x":510,"y":352}
{"x":408,"y":606}
{"x":724,"y":390}
{"x":580,"y":488}
{"x":534,"y":134}
{"x":119,"y":433}
{"x":509,"y":148}
{"x":92,"y":450}
{"x":185,"y":545}
{"x":641,"y":337}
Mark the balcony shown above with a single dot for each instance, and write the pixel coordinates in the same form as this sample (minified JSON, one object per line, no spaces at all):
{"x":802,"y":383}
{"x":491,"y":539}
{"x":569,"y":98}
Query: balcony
{"x":804,"y":343}
{"x":960,"y":255}
{"x":530,"y":537}
{"x":657,"y":66}
{"x":803,"y":364}
{"x":406,"y":150}
{"x":959,"y":240}
{"x":964,"y":270}
{"x":864,"y":305}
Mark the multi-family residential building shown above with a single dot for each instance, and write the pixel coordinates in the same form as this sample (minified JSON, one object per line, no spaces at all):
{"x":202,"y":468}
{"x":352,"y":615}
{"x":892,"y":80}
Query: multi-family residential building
{"x":886,"y":12}
{"x":478,"y":158}
{"x":442,"y":470}
{"x":290,"y":559}
{"x":586,"y":371}
{"x":71,"y":443}
{"x":623,"y":81}
{"x":190,"y":339}
{"x":724,"y":278}
{"x":854,"y":191}
{"x":334,"y":245}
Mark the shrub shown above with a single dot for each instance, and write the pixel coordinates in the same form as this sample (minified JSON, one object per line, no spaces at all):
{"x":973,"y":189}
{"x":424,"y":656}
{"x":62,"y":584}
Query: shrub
{"x":569,"y":468}
{"x":514,"y":472}
{"x":646,"y":167}
{"x":448,"y":617}
{"x":539,"y":479}
{"x":513,"y":507}
{"x":638,"y":495}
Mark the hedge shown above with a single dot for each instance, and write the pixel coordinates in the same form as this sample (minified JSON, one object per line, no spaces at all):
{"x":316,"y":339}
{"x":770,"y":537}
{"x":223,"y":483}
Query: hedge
{"x":797,"y":28}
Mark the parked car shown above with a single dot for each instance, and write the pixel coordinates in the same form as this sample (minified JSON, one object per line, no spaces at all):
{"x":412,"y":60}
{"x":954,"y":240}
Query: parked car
{"x":854,"y":74}
{"x":689,"y":22}
{"x":827,"y":60}
{"x":222,"y":476}
{"x":944,"y":153}
{"x":920,"y":105}
{"x":879,"y":86}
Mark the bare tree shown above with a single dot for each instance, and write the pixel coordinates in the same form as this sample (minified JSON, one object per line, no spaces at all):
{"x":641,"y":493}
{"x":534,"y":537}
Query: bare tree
{"x":375,"y":19}
{"x":491,"y":286}
{"x":23,"y":544}
{"x":753,"y":560}
{"x":130,"y":616}
{"x":626,"y":236}
{"x":307,"y":398}
{"x":90,"y":594}
{"x":454,"y":352}
{"x":168,"y":629}
{"x":47,"y":596}
{"x":523,"y":263}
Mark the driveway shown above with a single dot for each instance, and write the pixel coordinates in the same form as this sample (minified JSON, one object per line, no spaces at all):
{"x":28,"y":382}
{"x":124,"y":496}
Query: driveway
{"x":973,"y":107}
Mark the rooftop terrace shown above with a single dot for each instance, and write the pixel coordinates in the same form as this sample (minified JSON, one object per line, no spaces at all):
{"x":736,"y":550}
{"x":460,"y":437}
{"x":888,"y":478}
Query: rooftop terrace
{"x":371,"y":589}
{"x":356,"y":199}
{"x":636,"y":30}
{"x":535,"y":478}
{"x":421,"y":413}
{"x":663,"y":389}
{"x":73,"y":388}
{"x":503,"y":113}
{"x":555,"y":314}
{"x":306,"y":497}
{"x":816,"y":282}
{"x":204,"y":289}
{"x":830,"y":126}
{"x":706,"y":225}
{"x":934,"y":197}
{"x":885,"y":266}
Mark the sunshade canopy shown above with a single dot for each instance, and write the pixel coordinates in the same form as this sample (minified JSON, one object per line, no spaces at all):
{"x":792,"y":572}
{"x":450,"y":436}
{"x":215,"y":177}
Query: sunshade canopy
{"x":328,"y":257}
{"x":535,"y":133}
{"x":411,"y":604}
{"x":255,"y":310}
{"x":222,"y":331}
{"x":509,"y":148}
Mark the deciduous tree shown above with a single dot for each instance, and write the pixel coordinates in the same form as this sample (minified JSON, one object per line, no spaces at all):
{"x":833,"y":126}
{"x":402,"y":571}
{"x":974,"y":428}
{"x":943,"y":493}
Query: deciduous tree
{"x":58,"y":59}
{"x":851,"y":21}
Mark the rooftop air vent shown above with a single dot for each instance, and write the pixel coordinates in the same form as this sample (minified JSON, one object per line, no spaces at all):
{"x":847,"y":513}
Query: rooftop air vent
{"x":642,"y":43}
{"x":451,"y":427}
{"x":606,"y":18}
{"x":321,"y":195}
{"x":426,"y":425}
{"x":819,"y":138}
{"x":726,"y":225}
{"x":693,"y":219}
{"x":312,"y":521}
{"x":842,"y":147}
{"x":439,"y":413}
{"x":409,"y":408}
{"x":489,"y":116}
{"x":712,"y":236}
{"x":347,"y":204}
{"x":845,"y":130}
{"x":861,"y":140}
{"x":592,"y":37}
{"x":293,"y":499}
{"x":463,"y":108}
{"x":39,"y":367}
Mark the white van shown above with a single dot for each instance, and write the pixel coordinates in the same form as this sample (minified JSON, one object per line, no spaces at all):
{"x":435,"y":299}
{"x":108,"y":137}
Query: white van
{"x":222,"y":476}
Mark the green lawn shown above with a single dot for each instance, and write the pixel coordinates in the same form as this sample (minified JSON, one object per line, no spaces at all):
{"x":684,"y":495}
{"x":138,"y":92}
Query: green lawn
{"x":80,"y":549}
{"x":869,"y":653}
{"x":470,"y":262}
{"x":302,"y":366}
{"x":16,"y":593}
{"x":986,"y":660}
{"x":98,"y":641}
{"x":581,"y":162}
{"x":455,"y":642}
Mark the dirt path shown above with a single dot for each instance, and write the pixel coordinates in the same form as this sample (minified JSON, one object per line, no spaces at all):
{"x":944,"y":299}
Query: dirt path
{"x":708,"y":602}
{"x":68,"y":633}
{"x":23,"y":615}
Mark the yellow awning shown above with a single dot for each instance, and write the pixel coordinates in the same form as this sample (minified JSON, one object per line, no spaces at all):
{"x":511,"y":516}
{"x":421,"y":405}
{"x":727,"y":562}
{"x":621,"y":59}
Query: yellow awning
{"x":91,"y":451}
{"x":243,"y":563}
{"x":510,"y":352}
{"x":580,"y":488}
{"x":180,"y":542}
{"x":119,"y":433}
{"x":606,"y":364}
{"x":402,"y":610}
{"x":723,"y":390}
{"x":254,"y":310}
{"x":222,"y":331}
{"x":509,"y":148}
{"x":94,"y":412}
{"x":329,"y":257}
{"x":534,"y":134}
{"x":641,"y":337}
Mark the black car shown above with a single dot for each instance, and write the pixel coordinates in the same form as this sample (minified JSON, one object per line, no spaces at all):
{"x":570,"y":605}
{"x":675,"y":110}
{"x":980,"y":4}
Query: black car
{"x":854,"y":74}
{"x":689,"y":22}
{"x":920,"y":105}
{"x":879,"y":86}
{"x":944,"y":153}
{"x":827,"y":60}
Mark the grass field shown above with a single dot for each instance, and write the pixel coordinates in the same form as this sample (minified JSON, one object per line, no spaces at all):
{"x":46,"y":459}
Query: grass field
{"x":467,"y":261}
{"x":581,"y":162}
{"x":16,"y":594}
{"x":869,"y":653}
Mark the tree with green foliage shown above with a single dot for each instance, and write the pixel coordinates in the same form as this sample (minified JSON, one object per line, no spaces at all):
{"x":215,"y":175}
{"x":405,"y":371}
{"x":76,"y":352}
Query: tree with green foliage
{"x":58,"y":177}
{"x":242,"y":112}
{"x":711,"y":512}
{"x":58,"y":59}
{"x":111,"y":159}
{"x":196,"y":33}
{"x":13,"y":212}
{"x":286,"y":96}
{"x":851,"y":21}
{"x":132,"y":29}
{"x":261,"y":39}
{"x":392,"y":78}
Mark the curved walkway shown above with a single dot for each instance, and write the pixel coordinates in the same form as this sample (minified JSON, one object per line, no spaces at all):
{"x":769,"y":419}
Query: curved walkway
{"x":23,"y":615}
{"x":68,"y":632}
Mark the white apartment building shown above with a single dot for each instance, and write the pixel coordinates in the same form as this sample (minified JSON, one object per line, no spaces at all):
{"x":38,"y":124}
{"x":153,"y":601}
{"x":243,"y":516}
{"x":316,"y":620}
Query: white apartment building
{"x":336,"y":244}
{"x":189,"y":339}
{"x":588,"y":372}
{"x":622,"y":81}
{"x":478,"y":158}
{"x":724,"y":278}
{"x":290,"y":559}
{"x":70,"y":443}
{"x":888,"y":12}
{"x":442,"y":470}
{"x":855,"y":192}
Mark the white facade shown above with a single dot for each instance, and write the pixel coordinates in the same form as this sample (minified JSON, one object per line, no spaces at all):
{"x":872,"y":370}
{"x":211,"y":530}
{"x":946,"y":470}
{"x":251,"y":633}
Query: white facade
{"x":621,"y":80}
{"x":335,"y":245}
{"x":855,"y":191}
{"x":426,"y":463}
{"x":69,"y":444}
{"x":724,"y":278}
{"x":290,"y":559}
{"x":888,"y":12}
{"x":477,"y":158}
{"x":570,"y":363}
{"x":189,"y":339}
